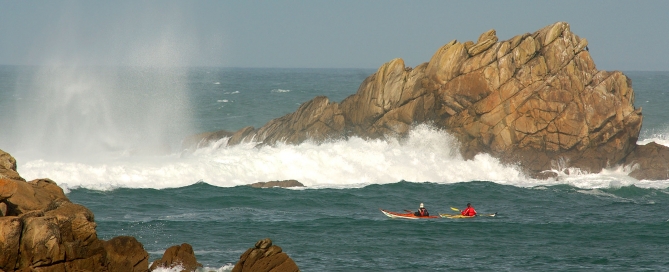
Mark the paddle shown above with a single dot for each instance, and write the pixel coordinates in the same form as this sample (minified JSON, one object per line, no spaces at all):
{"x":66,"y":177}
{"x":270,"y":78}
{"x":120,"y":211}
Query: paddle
{"x":455,"y":209}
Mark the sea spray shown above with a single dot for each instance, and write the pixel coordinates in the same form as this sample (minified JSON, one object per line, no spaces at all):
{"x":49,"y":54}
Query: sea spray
{"x":659,"y":136}
{"x":73,"y":113}
{"x":93,"y":94}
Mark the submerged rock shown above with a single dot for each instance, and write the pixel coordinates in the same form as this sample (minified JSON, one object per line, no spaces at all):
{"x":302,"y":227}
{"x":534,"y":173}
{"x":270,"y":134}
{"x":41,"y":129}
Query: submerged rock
{"x":532,"y":100}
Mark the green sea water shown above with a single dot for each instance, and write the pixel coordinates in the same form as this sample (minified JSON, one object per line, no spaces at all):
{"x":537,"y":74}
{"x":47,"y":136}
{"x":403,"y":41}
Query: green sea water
{"x":546,"y":228}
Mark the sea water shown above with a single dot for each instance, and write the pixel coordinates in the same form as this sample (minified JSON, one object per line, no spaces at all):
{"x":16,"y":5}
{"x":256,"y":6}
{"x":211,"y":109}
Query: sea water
{"x":111,"y":138}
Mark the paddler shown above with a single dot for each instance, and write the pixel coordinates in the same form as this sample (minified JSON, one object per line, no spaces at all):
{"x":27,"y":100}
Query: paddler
{"x":422,"y":211}
{"x":469,"y":211}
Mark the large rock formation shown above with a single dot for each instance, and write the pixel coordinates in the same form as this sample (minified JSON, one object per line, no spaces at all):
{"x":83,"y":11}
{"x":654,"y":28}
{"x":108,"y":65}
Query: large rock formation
{"x":41,"y":230}
{"x":531,"y":100}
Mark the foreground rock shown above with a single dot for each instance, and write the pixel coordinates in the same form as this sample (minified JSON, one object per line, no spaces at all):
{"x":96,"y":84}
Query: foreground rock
{"x":41,"y":230}
{"x":182,"y":256}
{"x":278,"y":183}
{"x":265,"y":257}
{"x":532,"y":100}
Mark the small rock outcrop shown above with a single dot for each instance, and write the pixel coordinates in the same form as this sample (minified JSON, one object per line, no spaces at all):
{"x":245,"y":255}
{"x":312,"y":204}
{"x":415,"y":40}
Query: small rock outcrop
{"x":126,"y":254}
{"x":265,"y":257}
{"x":41,"y":230}
{"x":277,"y":183}
{"x":649,"y":161}
{"x":532,"y":100}
{"x":8,"y":167}
{"x":180,"y":255}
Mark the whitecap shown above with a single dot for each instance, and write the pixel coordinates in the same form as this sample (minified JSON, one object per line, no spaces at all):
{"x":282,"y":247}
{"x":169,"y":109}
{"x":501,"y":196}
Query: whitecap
{"x":426,"y":155}
{"x":659,"y":136}
{"x":176,"y":268}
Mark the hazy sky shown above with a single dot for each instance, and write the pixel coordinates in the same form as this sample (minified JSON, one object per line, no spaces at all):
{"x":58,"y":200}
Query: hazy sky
{"x":622,"y":35}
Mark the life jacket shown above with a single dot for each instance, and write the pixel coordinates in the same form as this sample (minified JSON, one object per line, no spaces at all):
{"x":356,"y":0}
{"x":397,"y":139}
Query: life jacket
{"x":423,"y":212}
{"x":469,"y":211}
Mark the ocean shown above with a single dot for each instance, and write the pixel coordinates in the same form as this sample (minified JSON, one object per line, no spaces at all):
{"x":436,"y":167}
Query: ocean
{"x":111,"y":138}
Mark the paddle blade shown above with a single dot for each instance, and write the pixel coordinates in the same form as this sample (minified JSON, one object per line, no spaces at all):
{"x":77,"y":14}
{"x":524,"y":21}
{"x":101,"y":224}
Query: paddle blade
{"x":455,"y":209}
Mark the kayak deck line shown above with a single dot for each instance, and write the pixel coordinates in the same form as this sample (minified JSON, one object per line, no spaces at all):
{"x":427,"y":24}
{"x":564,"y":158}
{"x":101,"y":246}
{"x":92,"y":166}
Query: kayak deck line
{"x":410,"y":215}
{"x":453,"y":216}
{"x":446,"y":215}
{"x":406,"y":215}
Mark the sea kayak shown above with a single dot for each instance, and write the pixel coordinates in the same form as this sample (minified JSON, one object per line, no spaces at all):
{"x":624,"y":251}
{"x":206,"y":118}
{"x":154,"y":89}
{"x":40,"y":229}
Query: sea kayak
{"x":406,"y":215}
{"x":455,"y":216}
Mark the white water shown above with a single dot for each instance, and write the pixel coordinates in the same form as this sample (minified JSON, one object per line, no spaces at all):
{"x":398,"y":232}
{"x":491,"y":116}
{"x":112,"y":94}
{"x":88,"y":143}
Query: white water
{"x":178,"y":268}
{"x":427,"y":155}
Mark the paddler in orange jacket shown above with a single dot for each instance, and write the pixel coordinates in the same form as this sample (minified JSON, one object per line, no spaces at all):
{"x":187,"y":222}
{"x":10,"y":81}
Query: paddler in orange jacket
{"x":469,"y":211}
{"x":422,"y":211}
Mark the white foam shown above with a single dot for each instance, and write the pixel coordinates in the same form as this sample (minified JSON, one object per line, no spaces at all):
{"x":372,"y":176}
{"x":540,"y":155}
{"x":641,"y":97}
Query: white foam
{"x":659,"y":140}
{"x":225,"y":268}
{"x":178,"y":268}
{"x":167,"y":269}
{"x":280,"y":91}
{"x":426,"y":155}
{"x":659,"y":136}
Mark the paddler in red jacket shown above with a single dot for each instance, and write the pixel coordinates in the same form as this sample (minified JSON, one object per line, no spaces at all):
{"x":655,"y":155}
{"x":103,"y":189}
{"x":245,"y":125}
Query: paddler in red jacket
{"x":422,"y":211}
{"x":469,"y":211}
